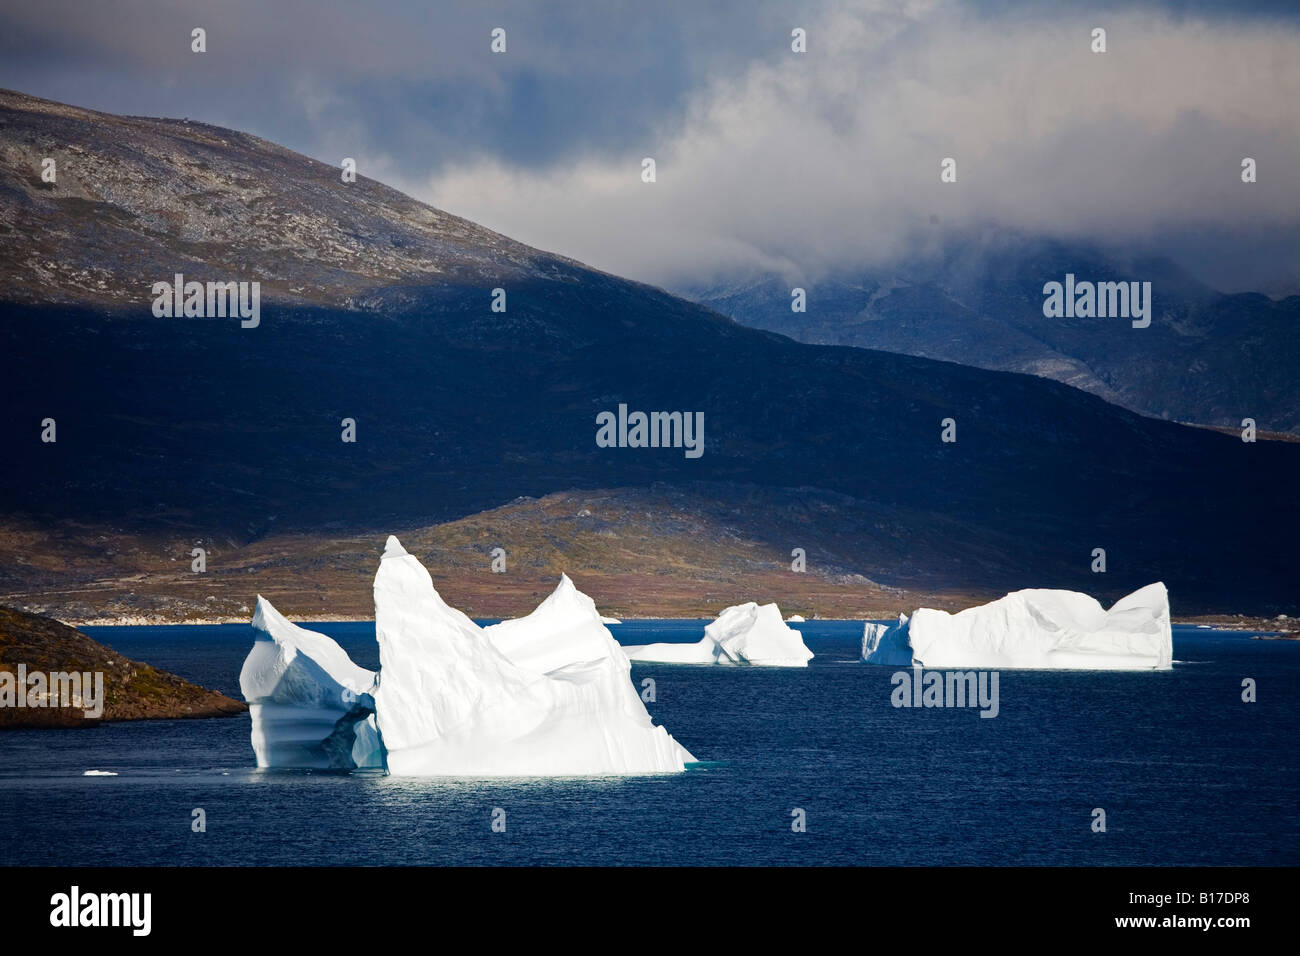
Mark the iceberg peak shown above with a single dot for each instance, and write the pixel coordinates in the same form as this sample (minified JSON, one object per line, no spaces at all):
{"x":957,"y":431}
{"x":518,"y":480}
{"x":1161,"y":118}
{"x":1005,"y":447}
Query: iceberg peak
{"x":393,"y":548}
{"x":564,"y":631}
{"x":260,"y":614}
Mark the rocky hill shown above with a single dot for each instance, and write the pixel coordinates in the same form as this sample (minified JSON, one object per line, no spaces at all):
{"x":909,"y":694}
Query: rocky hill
{"x":132,"y":690}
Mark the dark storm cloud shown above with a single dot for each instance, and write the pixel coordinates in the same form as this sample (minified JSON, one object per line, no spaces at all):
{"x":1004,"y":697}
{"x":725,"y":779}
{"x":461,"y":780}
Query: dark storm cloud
{"x":413,"y":80}
{"x":767,"y":160}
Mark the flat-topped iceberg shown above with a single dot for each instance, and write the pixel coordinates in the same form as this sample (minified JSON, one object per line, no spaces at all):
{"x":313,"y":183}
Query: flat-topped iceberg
{"x":1035,"y":628}
{"x":549,"y":694}
{"x":311,"y":706}
{"x":745,"y":634}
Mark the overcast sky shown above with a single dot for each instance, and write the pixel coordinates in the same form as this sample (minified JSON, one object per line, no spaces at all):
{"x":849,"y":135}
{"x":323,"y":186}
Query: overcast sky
{"x":766,"y":159}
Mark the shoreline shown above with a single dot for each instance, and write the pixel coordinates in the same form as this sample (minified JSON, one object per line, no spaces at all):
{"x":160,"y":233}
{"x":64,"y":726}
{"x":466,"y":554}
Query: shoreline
{"x":1288,"y":628}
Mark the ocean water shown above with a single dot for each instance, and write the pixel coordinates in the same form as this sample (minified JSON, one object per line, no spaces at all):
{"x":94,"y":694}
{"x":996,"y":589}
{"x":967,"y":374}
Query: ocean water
{"x":1186,"y":772}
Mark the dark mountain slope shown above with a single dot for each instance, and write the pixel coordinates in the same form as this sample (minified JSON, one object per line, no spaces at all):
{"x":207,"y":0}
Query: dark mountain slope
{"x":1207,"y":358}
{"x":197,"y":426}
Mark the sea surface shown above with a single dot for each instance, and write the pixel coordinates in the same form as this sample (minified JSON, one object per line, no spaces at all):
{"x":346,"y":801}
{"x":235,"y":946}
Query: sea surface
{"x":1186,"y":772}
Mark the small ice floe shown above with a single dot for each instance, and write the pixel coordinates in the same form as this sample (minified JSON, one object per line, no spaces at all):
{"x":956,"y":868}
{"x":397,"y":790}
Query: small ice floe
{"x":99,"y":773}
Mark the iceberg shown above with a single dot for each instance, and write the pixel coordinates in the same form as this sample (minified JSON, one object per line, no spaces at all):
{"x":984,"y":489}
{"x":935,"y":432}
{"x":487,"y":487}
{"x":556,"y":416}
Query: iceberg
{"x":311,"y":706}
{"x":1035,"y":628}
{"x":549,"y":694}
{"x":745,"y":634}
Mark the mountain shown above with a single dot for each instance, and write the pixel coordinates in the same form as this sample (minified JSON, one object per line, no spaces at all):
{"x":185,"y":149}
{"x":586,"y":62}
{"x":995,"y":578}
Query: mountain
{"x":1207,"y":358}
{"x":378,"y":309}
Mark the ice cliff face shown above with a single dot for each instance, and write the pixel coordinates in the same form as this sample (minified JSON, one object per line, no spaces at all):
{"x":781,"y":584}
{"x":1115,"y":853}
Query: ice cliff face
{"x":745,"y":634}
{"x":1036,"y":628}
{"x":311,"y":706}
{"x":549,"y":694}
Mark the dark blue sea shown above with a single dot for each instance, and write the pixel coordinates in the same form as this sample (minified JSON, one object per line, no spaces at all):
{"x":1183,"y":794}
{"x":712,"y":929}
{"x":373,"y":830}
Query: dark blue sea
{"x":1185,"y":771}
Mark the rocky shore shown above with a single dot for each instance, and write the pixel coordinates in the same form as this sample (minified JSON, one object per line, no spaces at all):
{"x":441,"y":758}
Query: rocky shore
{"x":131,"y":690}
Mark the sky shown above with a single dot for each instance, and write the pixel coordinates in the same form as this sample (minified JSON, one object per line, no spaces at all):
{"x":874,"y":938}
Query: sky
{"x":766,"y":160}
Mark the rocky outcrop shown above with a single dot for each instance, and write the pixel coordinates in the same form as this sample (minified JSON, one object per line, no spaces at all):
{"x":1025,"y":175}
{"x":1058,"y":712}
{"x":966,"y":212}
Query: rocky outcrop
{"x":30,"y":644}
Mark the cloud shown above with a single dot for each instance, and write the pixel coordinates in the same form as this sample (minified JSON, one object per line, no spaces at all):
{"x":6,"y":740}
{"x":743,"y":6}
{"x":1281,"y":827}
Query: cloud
{"x":412,"y":79}
{"x":767,"y":160}
{"x":812,"y":162}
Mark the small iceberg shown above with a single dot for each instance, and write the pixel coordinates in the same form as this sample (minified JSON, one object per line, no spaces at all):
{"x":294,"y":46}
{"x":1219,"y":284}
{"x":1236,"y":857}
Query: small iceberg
{"x":745,"y":634}
{"x":795,"y":619}
{"x":1035,"y":628}
{"x":99,"y":773}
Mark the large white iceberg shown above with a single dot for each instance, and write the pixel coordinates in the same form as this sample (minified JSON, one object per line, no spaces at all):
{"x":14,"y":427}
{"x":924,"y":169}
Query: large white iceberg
{"x":311,"y":706}
{"x":1034,"y":628}
{"x":549,"y":694}
{"x":745,"y":634}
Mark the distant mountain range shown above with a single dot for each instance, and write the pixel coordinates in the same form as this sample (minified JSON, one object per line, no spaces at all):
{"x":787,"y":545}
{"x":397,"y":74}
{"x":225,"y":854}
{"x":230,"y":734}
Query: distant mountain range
{"x":1207,"y":358}
{"x":379,"y":309}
